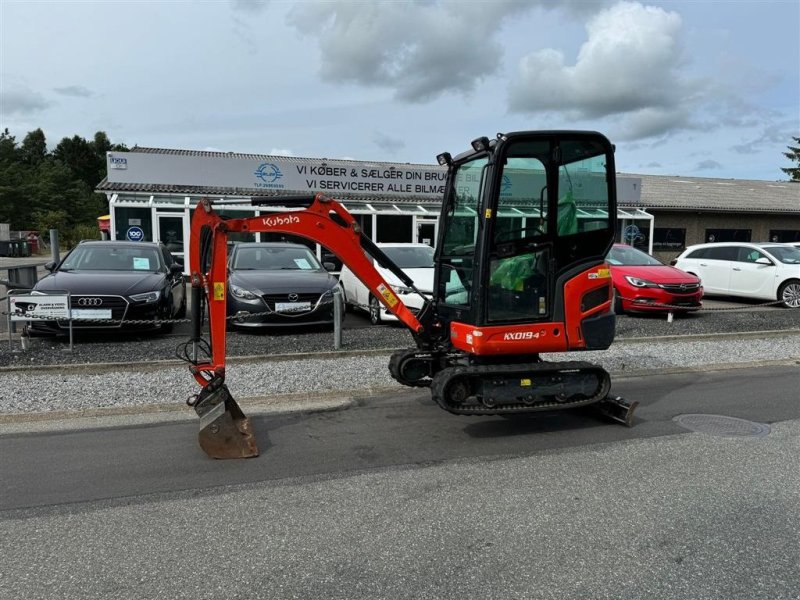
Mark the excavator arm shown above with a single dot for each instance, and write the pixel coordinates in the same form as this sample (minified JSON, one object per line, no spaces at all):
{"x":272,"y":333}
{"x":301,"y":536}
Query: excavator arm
{"x":225,"y":432}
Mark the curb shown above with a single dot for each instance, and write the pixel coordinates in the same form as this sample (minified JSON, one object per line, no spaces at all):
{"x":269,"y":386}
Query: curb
{"x":295,"y":403}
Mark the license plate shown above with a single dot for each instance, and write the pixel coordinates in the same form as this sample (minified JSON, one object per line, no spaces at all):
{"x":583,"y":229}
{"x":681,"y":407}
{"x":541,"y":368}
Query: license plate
{"x":292,"y":306}
{"x":91,"y":313}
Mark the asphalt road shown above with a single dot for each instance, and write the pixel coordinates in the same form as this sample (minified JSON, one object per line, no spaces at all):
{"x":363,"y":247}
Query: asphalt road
{"x":395,"y":498}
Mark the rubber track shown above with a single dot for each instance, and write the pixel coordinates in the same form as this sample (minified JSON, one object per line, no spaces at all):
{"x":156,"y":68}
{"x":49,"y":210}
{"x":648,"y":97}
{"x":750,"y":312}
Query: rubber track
{"x":445,"y":376}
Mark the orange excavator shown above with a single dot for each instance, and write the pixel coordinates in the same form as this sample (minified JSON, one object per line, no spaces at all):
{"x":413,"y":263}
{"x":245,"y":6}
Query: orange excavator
{"x":526,"y":221}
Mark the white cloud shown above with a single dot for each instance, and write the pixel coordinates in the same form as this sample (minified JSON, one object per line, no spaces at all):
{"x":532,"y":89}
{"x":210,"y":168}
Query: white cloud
{"x":708,"y":165}
{"x":281,"y":152}
{"x":388,"y":144}
{"x":22,"y":102}
{"x":419,"y":50}
{"x":76,"y":91}
{"x":629,"y":66}
{"x":249,"y":6}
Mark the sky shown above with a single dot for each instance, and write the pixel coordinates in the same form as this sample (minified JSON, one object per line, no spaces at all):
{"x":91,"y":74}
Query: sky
{"x":695,"y":88}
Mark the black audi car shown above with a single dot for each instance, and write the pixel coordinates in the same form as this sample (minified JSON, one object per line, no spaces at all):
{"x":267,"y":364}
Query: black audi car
{"x":282,"y":283}
{"x":111,"y":281}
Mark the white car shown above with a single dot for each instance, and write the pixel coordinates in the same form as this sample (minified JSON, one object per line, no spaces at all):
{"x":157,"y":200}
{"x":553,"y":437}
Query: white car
{"x":416,"y":260}
{"x":765,"y":271}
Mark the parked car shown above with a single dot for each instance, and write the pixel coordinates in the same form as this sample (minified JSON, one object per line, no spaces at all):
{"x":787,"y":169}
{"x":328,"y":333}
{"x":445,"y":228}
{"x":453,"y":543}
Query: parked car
{"x":134,"y":281}
{"x":765,"y":271}
{"x":416,"y":260}
{"x":283,"y":282}
{"x":643,"y":283}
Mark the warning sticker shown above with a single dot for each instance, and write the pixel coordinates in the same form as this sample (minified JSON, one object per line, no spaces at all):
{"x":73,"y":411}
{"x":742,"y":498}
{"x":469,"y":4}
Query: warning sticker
{"x":219,"y":290}
{"x":388,"y":295}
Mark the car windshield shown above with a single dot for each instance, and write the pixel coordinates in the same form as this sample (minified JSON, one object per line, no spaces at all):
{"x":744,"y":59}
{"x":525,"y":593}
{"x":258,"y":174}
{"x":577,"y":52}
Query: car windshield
{"x":282,"y":258}
{"x":410,"y":257}
{"x":785,"y":254}
{"x":627,"y":255}
{"x":111,"y":258}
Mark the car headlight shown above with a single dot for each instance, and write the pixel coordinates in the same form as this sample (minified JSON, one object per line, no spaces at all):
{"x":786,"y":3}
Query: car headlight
{"x":242,"y":293}
{"x":147,"y":297}
{"x":640,"y":283}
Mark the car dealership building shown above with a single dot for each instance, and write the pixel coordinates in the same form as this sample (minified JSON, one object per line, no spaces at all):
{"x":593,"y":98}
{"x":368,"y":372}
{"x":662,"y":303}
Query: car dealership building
{"x":152,"y":193}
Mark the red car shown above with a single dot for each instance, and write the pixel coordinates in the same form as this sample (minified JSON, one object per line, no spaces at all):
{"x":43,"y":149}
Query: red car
{"x":642,"y":283}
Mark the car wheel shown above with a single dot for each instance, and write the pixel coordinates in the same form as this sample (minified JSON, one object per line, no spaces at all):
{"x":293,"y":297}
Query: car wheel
{"x":374,"y":311}
{"x":618,"y":303}
{"x":789,"y":293}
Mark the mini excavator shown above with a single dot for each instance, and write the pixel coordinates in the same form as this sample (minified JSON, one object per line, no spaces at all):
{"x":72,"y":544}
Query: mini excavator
{"x":526,"y":221}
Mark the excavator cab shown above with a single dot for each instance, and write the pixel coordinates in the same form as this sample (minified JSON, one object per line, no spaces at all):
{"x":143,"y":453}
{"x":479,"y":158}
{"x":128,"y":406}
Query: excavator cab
{"x":527,"y":219}
{"x":523,"y":213}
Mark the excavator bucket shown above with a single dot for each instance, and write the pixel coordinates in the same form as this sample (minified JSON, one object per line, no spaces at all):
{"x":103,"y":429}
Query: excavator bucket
{"x":224,"y":430}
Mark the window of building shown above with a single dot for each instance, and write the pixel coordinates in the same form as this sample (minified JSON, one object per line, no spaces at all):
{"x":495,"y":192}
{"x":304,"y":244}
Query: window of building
{"x":395,"y":228}
{"x":128,"y":222}
{"x":784,"y":236}
{"x":728,"y":235}
{"x":669,"y":238}
{"x":366,"y":224}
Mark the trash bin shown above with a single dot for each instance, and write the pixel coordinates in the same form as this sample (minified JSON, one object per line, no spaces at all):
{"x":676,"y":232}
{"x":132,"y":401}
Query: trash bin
{"x":24,"y":248}
{"x":33,"y":244}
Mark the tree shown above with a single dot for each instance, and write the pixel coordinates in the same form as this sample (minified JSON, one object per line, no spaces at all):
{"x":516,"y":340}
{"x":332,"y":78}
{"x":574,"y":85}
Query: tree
{"x":34,"y":147}
{"x":8,"y":146}
{"x":53,"y":190}
{"x":793,"y":155}
{"x":78,"y":155}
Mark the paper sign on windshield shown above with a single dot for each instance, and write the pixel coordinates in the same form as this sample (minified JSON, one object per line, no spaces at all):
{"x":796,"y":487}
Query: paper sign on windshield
{"x":141,"y":263}
{"x":302,"y":263}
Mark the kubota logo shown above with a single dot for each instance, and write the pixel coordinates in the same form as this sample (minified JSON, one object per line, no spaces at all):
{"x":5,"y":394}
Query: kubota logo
{"x":520,"y":335}
{"x":276,"y":221}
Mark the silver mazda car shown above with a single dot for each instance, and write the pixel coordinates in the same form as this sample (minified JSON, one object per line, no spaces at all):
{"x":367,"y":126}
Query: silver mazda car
{"x":281,"y":284}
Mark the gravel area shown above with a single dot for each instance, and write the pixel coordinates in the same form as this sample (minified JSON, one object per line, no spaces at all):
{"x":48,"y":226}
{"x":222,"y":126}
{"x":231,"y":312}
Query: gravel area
{"x":135,"y":348}
{"x":68,"y":389}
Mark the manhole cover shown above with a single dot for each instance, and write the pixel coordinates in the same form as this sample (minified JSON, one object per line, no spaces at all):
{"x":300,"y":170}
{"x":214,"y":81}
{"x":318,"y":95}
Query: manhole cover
{"x":722,"y":425}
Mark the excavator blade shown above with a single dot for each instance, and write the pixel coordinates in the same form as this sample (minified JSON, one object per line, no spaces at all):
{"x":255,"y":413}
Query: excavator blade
{"x":618,"y":409}
{"x":224,"y":430}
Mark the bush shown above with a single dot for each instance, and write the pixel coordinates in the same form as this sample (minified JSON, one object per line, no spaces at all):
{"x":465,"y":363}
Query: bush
{"x":80,"y":232}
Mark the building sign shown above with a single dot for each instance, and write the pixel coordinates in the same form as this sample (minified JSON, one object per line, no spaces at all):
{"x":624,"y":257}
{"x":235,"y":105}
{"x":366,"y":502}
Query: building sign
{"x":39,"y":307}
{"x":335,"y":177}
{"x":269,"y":174}
{"x":117,"y":162}
{"x":277,"y":173}
{"x":135,"y":234}
{"x":669,"y":238}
